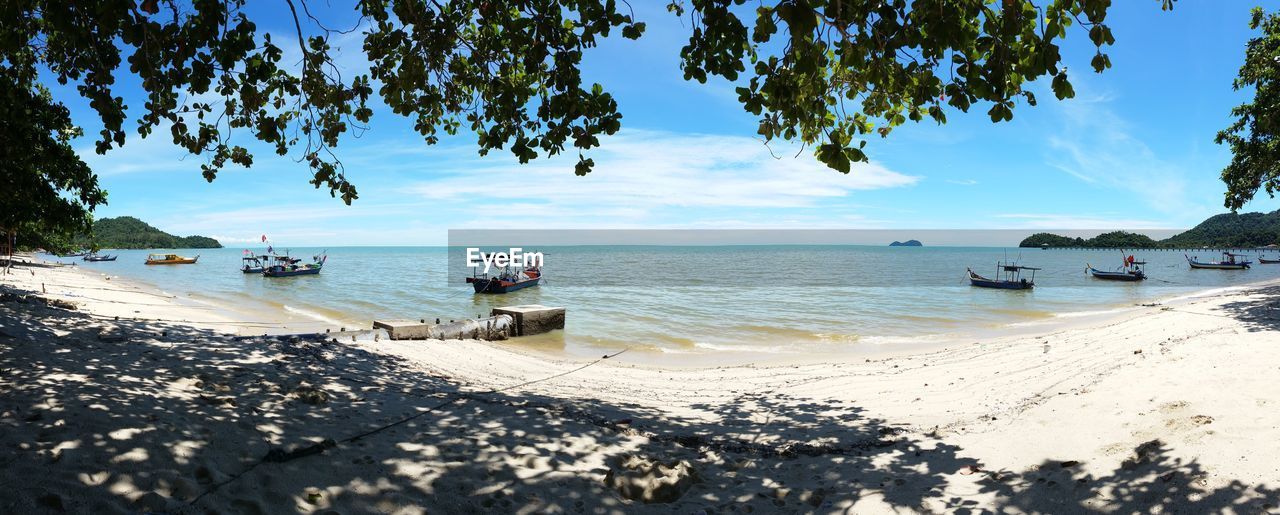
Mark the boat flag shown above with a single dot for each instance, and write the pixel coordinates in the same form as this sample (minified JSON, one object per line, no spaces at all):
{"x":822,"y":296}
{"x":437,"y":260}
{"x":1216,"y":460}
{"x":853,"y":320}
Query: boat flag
{"x":264,"y":238}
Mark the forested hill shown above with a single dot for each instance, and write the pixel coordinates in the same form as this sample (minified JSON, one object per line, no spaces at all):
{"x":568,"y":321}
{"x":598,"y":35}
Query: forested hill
{"x":1224,"y":230}
{"x":127,"y":232}
{"x":1232,"y":230}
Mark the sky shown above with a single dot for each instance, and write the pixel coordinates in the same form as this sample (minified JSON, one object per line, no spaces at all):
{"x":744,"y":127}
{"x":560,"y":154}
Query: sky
{"x":1133,"y":150}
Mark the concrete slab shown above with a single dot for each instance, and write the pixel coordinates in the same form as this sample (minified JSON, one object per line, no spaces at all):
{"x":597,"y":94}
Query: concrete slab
{"x":404,"y":329}
{"x":497,"y":327}
{"x":533,"y":318}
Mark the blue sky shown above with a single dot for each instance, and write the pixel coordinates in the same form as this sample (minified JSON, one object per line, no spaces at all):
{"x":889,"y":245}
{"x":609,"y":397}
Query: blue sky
{"x":1134,"y":150}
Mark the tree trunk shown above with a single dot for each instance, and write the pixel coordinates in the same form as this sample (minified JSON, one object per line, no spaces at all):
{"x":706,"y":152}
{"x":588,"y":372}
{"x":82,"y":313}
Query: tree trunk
{"x":10,"y":240}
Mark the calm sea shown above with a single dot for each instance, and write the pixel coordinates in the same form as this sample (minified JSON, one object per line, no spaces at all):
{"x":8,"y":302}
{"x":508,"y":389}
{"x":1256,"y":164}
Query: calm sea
{"x":691,"y":299}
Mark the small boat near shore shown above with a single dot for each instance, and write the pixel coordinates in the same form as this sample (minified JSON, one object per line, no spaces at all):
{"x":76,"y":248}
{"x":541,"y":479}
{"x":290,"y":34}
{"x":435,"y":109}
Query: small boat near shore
{"x":506,"y":281}
{"x":286,"y":266}
{"x":251,"y":264}
{"x":170,"y":259}
{"x":93,"y":258}
{"x":1131,"y":271}
{"x":1229,"y":263}
{"x":1008,"y":277}
{"x":1266,"y":261}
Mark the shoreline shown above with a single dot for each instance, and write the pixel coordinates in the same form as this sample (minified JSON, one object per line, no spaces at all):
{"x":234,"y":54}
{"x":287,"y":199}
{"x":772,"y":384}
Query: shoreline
{"x":279,"y":318}
{"x":1156,"y":406}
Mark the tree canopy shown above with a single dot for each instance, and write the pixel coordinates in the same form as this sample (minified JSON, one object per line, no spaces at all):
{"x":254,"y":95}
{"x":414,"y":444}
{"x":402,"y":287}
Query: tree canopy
{"x":1252,"y":136}
{"x":45,"y":188}
{"x":825,"y":73}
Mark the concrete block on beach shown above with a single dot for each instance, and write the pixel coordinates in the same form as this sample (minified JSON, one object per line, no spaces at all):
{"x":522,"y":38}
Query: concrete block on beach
{"x":497,"y":327}
{"x":533,"y":318}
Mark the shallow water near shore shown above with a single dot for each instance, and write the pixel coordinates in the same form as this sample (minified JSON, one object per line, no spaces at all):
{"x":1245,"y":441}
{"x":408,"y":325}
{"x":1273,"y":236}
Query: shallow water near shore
{"x":694,"y":299}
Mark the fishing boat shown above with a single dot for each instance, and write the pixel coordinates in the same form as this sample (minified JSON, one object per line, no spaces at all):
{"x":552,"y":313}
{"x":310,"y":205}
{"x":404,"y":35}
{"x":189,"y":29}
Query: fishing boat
{"x":508,"y":280}
{"x":251,"y":264}
{"x":286,"y":266}
{"x":1266,"y":261}
{"x":1008,"y":277}
{"x":1229,"y":263}
{"x":1131,"y":271}
{"x":95,"y":258}
{"x":170,"y":259}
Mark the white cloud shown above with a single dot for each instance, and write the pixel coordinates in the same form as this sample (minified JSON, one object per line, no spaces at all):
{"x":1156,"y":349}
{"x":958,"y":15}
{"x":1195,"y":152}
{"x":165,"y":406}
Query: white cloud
{"x":1099,"y":147}
{"x":155,"y":153}
{"x":963,"y":182}
{"x":646,"y":170}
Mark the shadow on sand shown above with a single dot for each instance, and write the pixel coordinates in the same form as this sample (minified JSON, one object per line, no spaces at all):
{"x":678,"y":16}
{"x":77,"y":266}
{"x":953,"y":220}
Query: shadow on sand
{"x":177,"y":419}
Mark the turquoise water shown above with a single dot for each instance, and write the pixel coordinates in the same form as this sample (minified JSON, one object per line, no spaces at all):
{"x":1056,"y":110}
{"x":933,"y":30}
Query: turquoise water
{"x":694,"y":298}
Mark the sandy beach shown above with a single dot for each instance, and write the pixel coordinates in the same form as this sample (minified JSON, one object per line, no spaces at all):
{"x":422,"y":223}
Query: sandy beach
{"x":119,"y":398}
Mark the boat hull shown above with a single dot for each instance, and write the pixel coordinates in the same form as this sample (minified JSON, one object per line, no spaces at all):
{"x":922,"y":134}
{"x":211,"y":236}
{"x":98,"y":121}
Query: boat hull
{"x":253,"y":270}
{"x":481,"y":285}
{"x":290,"y":273}
{"x":1269,"y":261}
{"x":177,"y":260}
{"x":1219,"y":266}
{"x":983,"y":282}
{"x":1117,"y":276}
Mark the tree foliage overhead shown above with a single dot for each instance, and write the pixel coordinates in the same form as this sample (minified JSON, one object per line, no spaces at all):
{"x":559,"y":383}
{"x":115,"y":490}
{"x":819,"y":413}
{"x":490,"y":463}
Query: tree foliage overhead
{"x":1253,"y":136}
{"x":44,"y":186}
{"x":822,"y":72}
{"x":826,"y":72}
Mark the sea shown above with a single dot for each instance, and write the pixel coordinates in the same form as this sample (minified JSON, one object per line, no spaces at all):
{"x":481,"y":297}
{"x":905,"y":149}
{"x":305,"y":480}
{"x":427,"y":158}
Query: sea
{"x":681,"y":300}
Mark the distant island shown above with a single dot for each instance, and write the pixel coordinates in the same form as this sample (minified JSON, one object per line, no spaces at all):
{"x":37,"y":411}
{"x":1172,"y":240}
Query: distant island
{"x":1224,"y":230}
{"x":908,"y":243}
{"x":127,"y":232}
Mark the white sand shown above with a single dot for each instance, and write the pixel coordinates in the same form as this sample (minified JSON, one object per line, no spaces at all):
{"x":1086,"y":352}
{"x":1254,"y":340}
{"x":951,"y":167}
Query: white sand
{"x":1170,"y":408}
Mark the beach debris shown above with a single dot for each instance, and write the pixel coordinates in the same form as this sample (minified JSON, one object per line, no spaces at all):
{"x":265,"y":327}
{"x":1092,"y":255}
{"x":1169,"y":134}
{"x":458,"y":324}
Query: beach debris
{"x":969,"y":470}
{"x":650,"y":481}
{"x":310,"y":394}
{"x":36,"y":299}
{"x":111,"y":334}
{"x":214,"y":400}
{"x":1142,"y":453}
{"x":1069,"y":463}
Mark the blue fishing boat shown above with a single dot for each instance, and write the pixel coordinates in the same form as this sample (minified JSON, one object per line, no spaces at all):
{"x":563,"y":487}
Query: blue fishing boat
{"x":93,"y":258}
{"x":506,"y":281}
{"x":286,"y":266}
{"x":1229,"y":263}
{"x":1008,"y":277}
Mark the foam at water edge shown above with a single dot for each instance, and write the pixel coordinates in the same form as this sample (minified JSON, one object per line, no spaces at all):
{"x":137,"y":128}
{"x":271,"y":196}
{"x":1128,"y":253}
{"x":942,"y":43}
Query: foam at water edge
{"x":312,"y":315}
